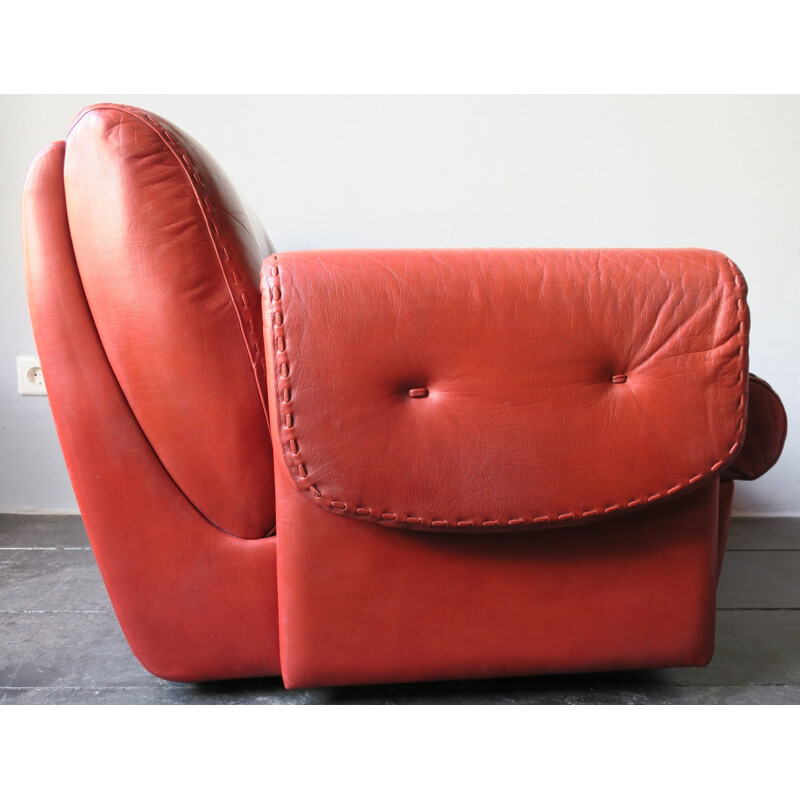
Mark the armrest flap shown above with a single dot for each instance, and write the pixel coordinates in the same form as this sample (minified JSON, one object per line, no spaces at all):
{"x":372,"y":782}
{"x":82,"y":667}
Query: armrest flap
{"x":765,"y":433}
{"x":482,"y":389}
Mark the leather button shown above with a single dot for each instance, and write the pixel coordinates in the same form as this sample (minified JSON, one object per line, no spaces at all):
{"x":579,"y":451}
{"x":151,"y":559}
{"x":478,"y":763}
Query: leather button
{"x":418,"y":392}
{"x":619,"y":379}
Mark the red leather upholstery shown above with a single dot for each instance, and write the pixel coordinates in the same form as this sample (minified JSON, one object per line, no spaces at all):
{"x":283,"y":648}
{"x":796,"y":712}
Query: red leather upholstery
{"x":194,"y":603}
{"x":486,"y":462}
{"x":499,"y":392}
{"x":169,"y":259}
{"x":528,"y":374}
{"x":361,"y":603}
{"x":766,"y":433}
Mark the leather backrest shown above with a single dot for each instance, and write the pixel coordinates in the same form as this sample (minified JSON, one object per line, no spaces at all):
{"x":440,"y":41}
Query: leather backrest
{"x":481,"y":389}
{"x":169,"y":258}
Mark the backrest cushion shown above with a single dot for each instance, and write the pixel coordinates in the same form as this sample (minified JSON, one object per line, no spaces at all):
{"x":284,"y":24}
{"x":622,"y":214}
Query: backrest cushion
{"x":169,"y":257}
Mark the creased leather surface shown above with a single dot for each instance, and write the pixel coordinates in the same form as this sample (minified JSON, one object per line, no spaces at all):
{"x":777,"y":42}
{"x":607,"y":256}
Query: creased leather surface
{"x":169,"y":258}
{"x":554,"y":386}
{"x":765,"y":435}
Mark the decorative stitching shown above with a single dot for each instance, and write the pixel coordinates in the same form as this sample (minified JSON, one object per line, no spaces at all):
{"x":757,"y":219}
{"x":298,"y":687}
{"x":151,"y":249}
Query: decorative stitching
{"x":291,"y":446}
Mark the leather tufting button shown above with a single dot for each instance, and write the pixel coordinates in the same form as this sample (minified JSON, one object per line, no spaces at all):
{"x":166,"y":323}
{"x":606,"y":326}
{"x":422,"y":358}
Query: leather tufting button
{"x":619,"y":379}
{"x":418,"y":392}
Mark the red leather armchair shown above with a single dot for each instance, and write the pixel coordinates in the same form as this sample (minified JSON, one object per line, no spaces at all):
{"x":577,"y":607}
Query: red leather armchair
{"x":412,"y":465}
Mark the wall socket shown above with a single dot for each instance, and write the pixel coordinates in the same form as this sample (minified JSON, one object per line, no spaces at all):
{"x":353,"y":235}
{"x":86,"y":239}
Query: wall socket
{"x":29,"y":375}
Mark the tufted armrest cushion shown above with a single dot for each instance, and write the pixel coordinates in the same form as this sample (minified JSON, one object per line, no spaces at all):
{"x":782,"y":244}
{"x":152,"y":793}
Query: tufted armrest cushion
{"x":480,"y":389}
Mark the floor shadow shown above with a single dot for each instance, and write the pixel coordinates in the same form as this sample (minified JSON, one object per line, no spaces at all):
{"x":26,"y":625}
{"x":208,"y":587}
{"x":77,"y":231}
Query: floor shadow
{"x":534,"y":689}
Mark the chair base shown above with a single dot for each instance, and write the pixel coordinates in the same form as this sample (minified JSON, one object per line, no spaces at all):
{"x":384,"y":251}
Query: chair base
{"x":361,"y":604}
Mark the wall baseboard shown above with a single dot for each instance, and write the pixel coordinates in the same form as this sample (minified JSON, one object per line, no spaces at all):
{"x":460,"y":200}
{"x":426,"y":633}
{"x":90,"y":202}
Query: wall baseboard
{"x":765,"y":515}
{"x":42,"y":512}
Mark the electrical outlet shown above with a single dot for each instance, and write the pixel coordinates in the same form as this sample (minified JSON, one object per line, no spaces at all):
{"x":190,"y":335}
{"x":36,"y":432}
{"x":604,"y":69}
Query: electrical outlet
{"x":29,"y":375}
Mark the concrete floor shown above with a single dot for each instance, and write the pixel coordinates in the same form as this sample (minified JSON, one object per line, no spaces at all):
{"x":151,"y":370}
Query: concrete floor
{"x":60,"y":641}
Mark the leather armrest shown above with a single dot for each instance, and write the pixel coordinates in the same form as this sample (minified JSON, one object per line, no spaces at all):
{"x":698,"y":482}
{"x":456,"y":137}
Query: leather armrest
{"x":484,"y":389}
{"x":765,"y":434}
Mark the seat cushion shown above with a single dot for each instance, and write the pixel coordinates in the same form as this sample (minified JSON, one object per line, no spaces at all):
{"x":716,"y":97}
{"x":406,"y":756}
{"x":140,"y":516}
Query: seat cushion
{"x":169,"y":259}
{"x":486,"y":389}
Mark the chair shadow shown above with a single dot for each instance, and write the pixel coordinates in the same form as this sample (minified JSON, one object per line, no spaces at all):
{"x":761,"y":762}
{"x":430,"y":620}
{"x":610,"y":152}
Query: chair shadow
{"x":539,"y":689}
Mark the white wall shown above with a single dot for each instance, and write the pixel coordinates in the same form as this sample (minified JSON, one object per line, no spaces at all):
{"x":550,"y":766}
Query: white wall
{"x":394,"y":171}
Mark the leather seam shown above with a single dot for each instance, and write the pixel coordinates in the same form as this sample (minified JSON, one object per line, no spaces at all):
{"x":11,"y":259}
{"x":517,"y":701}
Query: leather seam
{"x":301,"y":473}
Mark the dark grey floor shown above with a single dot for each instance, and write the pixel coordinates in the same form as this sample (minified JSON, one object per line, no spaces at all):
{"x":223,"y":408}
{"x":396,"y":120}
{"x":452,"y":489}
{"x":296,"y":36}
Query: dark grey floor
{"x":60,"y":642}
